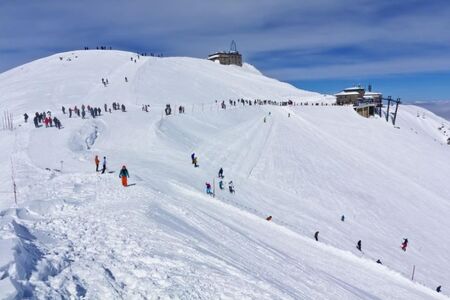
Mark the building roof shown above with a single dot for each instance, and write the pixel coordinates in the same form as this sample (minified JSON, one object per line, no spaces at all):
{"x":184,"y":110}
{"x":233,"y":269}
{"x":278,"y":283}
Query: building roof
{"x":372,"y":94}
{"x":354,"y":88}
{"x":218,"y":54}
{"x":344,"y":93}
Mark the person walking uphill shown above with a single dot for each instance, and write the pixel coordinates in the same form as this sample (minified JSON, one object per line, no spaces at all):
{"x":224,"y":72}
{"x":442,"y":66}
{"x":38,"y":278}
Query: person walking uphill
{"x":124,"y":176}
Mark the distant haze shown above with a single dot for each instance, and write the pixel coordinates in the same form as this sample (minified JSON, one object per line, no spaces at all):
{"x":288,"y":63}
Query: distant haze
{"x":441,"y":108}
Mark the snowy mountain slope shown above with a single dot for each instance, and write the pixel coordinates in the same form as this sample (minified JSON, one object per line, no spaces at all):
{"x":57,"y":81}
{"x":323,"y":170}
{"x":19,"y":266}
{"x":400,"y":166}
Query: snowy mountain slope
{"x":79,"y":234}
{"x":71,"y":77}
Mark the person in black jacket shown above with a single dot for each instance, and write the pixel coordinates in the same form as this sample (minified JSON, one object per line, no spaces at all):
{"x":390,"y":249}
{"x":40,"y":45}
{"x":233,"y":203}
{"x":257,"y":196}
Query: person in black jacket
{"x":124,"y":175}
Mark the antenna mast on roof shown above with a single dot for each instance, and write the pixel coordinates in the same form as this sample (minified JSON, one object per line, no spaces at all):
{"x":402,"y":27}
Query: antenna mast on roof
{"x":233,"y":48}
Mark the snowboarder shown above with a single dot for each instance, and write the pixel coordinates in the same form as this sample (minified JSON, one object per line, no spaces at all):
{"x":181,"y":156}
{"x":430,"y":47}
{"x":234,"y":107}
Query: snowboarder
{"x":404,"y":244}
{"x":221,"y":185}
{"x":208,"y":188}
{"x":316,"y":236}
{"x":438,"y":289}
{"x":220,"y":175}
{"x":124,"y":175}
{"x":25,"y":116}
{"x":358,"y":245}
{"x":104,"y":165}
{"x":97,"y":163}
{"x":231,"y":187}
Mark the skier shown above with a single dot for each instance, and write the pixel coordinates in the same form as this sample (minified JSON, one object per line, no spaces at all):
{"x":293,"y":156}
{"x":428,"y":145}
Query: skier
{"x":124,"y":175}
{"x":231,"y":187}
{"x":220,"y":173}
{"x":35,"y":121}
{"x":342,"y":218}
{"x":221,"y":185}
{"x":358,"y":245}
{"x":25,"y":116}
{"x":208,"y":188}
{"x":192,"y":157}
{"x":63,"y":110}
{"x":126,"y":79}
{"x":379,"y":262}
{"x":104,"y":165}
{"x":316,"y":236}
{"x":70,"y":112}
{"x":438,"y":289}
{"x":404,"y":244}
{"x":269,"y":218}
{"x":97,"y":163}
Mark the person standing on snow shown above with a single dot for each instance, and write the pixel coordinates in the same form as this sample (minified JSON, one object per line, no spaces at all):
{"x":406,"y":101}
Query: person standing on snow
{"x":358,"y":245}
{"x":208,"y":188}
{"x":316,"y":236}
{"x":220,"y":173}
{"x":195,"y":162}
{"x":124,"y":176}
{"x":25,"y":116}
{"x":231,"y":187}
{"x":97,"y":163}
{"x":104,"y":165}
{"x":404,"y":244}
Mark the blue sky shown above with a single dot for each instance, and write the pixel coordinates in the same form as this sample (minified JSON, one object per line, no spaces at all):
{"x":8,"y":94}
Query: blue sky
{"x":401,"y":47}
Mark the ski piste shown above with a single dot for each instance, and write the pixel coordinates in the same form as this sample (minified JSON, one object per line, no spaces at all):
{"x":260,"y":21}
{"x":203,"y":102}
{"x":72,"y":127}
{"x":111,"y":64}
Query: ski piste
{"x":77,"y":233}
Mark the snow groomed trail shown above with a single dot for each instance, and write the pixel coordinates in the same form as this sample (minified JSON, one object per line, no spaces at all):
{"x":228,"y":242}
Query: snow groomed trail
{"x":78,"y":234}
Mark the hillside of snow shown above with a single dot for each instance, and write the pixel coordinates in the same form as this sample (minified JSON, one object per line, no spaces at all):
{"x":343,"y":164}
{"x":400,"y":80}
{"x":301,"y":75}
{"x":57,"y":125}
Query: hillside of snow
{"x":76,"y":233}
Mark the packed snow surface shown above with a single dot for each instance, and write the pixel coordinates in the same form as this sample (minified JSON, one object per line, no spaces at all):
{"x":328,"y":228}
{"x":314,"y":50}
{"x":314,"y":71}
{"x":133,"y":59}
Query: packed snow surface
{"x":75,"y":233}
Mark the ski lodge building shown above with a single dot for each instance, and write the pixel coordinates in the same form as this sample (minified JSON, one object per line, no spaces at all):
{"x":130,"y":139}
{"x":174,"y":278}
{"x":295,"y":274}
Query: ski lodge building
{"x":232,"y":57}
{"x":364,"y":103}
{"x":227,"y":58}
